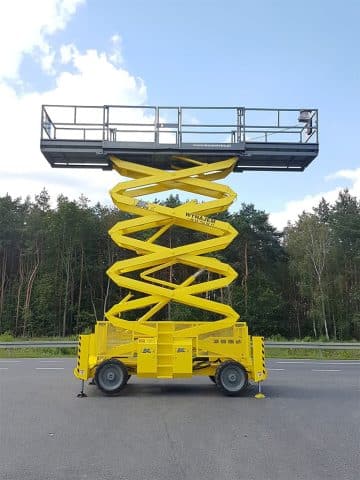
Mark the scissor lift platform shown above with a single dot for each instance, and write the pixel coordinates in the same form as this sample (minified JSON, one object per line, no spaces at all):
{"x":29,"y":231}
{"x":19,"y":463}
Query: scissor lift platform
{"x":260,"y":139}
{"x":162,"y":149}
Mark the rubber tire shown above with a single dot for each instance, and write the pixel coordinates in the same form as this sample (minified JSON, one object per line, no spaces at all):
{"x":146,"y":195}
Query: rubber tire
{"x":122,"y":371}
{"x":212,"y":378}
{"x":219,"y":380}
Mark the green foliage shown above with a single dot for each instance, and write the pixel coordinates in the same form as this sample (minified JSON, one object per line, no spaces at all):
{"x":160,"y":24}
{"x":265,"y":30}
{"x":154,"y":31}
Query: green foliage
{"x":324,"y":265}
{"x":309,"y":353}
{"x":37,"y":352}
{"x":276,"y":338}
{"x":6,"y":337}
{"x":303,"y":283}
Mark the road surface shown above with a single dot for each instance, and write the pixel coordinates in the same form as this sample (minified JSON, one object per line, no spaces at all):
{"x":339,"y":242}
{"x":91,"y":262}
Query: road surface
{"x":307,"y":427}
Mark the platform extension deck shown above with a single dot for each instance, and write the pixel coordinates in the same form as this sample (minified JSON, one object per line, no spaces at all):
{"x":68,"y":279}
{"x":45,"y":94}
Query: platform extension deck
{"x":74,"y":136}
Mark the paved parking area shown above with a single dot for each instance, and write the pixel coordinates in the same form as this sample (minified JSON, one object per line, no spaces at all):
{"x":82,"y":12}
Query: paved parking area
{"x":307,"y":427}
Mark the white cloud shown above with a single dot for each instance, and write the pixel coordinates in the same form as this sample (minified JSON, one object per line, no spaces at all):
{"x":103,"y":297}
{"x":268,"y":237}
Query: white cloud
{"x":353,"y":175}
{"x":89,"y":77}
{"x":294,"y":208}
{"x":47,"y":63}
{"x":67,"y":53}
{"x":25,"y":27}
{"x":116,"y":54}
{"x":96,"y":81}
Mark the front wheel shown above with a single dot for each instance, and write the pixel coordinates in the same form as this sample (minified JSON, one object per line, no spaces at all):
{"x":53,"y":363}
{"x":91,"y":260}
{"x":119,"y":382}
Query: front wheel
{"x":231,"y":378}
{"x":111,"y":376}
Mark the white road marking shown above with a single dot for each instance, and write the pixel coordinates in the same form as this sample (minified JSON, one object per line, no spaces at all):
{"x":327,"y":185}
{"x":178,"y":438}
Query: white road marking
{"x":339,"y":363}
{"x":4,"y":368}
{"x":320,"y":362}
{"x":315,"y":370}
{"x":276,"y":369}
{"x":294,"y":362}
{"x":49,"y":368}
{"x":50,"y":361}
{"x":10,"y":361}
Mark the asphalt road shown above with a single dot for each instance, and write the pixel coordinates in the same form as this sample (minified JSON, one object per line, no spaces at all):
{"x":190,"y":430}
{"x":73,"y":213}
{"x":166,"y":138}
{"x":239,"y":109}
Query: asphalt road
{"x":307,"y":427}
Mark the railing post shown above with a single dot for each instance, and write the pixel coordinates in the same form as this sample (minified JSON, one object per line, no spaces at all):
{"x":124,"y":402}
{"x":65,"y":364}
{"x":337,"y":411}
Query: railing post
{"x":103,"y":135}
{"x":179,"y":126}
{"x":238,"y":123}
{"x":156,"y":125}
{"x":42,"y":123}
{"x":317,"y":126}
{"x":106,"y":123}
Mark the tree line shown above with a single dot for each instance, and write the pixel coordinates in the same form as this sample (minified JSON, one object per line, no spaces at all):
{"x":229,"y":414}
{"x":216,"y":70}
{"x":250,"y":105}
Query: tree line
{"x":302,"y":282}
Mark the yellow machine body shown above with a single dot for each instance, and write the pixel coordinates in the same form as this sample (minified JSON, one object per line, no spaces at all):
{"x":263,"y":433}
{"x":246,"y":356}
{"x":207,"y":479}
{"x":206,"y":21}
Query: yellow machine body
{"x":174,"y":348}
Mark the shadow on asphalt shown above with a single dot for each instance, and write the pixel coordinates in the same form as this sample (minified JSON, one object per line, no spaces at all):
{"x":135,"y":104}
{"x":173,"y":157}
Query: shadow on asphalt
{"x":168,"y":390}
{"x":271,"y":391}
{"x":304,"y":392}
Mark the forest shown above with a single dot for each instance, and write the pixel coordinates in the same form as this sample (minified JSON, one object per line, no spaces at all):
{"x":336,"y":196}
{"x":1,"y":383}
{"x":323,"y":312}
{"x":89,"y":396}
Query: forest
{"x":303,"y":282}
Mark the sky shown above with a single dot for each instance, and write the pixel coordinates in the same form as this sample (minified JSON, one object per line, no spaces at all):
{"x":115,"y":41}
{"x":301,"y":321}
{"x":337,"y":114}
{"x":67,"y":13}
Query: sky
{"x":273,"y":54}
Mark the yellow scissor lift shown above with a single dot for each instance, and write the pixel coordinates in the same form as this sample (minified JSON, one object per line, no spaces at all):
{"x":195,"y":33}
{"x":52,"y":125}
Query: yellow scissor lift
{"x":221,"y":349}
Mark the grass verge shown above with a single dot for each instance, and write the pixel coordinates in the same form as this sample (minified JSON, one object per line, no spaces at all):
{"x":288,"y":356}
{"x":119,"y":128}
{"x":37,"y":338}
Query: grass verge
{"x":313,"y":353}
{"x":37,"y":352}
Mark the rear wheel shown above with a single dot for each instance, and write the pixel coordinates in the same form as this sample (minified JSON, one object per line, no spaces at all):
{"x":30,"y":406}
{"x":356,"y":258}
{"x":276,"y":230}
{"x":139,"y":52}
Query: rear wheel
{"x":111,"y":376}
{"x":231,"y":378}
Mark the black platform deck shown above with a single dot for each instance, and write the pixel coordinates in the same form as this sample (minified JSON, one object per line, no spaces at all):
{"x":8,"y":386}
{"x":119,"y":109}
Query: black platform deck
{"x":71,"y":144}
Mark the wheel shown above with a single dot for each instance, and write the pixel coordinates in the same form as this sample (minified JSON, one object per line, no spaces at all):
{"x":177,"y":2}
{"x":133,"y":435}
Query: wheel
{"x":111,"y":376}
{"x":212,"y":378}
{"x":128,"y":378}
{"x":231,"y":378}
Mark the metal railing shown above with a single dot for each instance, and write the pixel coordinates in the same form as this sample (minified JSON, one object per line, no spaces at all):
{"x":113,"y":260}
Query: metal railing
{"x":179,"y":125}
{"x":290,"y":345}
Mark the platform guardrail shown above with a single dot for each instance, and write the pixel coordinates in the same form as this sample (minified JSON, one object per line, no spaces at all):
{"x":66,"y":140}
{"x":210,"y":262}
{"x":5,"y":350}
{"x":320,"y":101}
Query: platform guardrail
{"x":178,"y":125}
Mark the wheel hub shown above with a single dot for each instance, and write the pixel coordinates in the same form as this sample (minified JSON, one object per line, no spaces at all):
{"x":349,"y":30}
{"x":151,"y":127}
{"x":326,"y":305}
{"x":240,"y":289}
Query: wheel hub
{"x":232,"y":377}
{"x":111,"y":378}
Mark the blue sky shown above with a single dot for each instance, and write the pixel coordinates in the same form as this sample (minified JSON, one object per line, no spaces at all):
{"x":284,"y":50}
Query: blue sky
{"x":204,"y":52}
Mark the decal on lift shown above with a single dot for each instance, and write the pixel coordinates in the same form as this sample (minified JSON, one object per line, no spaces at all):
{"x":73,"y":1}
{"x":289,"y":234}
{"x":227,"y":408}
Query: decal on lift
{"x":201,"y":219}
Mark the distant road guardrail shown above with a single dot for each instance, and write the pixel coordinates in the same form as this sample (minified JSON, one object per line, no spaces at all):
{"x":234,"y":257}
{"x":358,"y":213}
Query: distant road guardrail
{"x":40,"y":344}
{"x":315,"y":345}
